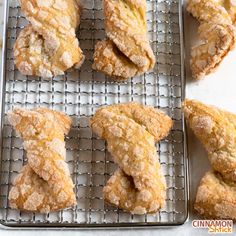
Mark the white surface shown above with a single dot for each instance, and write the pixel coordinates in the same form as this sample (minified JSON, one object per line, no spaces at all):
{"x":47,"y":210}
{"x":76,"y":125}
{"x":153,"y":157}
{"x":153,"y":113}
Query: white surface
{"x":217,"y":89}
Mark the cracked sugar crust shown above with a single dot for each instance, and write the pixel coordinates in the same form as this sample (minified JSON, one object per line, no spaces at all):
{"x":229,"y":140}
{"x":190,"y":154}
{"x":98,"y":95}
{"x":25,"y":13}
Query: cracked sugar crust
{"x":218,"y":11}
{"x":139,"y":185}
{"x":216,"y":129}
{"x":218,"y":40}
{"x":153,"y":120}
{"x":230,"y":7}
{"x":32,"y":194}
{"x":109,"y":60}
{"x":48,"y":45}
{"x":127,"y":52}
{"x":42,"y":131}
{"x":120,"y":191}
{"x":125,"y":24}
{"x":217,"y":33}
{"x":209,"y":11}
{"x":216,"y":197}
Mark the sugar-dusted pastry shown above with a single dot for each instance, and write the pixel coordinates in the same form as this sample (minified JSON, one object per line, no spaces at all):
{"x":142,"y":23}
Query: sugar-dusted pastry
{"x":217,"y":34}
{"x":109,"y":60}
{"x":138,"y":186}
{"x":216,"y":129}
{"x":216,"y":197}
{"x":127,"y":51}
{"x":44,"y":184}
{"x":48,"y":45}
{"x":230,"y":7}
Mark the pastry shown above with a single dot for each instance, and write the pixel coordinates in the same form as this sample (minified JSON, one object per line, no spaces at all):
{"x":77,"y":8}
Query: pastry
{"x":44,"y":184}
{"x":216,"y":197}
{"x":127,"y":51}
{"x":217,"y":33}
{"x":230,"y":7}
{"x":48,"y":45}
{"x":131,"y":130}
{"x":216,"y":129}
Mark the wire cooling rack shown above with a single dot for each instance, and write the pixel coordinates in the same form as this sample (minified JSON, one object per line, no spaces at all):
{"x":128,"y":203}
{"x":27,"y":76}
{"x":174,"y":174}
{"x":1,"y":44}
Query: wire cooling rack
{"x":79,"y":93}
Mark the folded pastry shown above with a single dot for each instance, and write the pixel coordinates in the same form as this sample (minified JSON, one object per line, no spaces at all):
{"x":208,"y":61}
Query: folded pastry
{"x":138,"y":186}
{"x":44,"y":184}
{"x":127,"y":51}
{"x":216,"y":129}
{"x":109,"y":60}
{"x":216,"y":31}
{"x":216,"y":197}
{"x":48,"y":45}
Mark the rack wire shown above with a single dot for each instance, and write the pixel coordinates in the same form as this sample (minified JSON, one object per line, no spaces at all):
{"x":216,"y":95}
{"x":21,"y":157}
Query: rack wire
{"x":79,"y":93}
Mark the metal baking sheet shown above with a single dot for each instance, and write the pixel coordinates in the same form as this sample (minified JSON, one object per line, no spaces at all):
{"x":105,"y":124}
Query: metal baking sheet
{"x":79,"y":93}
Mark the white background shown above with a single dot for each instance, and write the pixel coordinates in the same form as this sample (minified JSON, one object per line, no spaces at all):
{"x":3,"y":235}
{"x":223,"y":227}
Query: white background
{"x":217,"y":89}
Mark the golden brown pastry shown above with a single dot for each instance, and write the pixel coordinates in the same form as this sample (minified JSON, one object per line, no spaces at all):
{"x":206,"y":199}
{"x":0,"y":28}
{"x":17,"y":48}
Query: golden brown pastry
{"x":127,"y":51}
{"x":48,"y":45}
{"x":230,"y":7}
{"x":131,"y":129}
{"x":109,"y":60}
{"x":44,"y":184}
{"x":216,"y":197}
{"x":216,"y":32}
{"x":216,"y":129}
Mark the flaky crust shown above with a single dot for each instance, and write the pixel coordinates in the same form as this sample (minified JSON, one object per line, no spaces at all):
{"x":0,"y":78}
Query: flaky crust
{"x":154,"y":121}
{"x":44,"y":184}
{"x":217,"y":33}
{"x":219,"y":40}
{"x":139,"y":185}
{"x":48,"y":45}
{"x":216,"y":197}
{"x":230,"y":7}
{"x":125,"y":24}
{"x":209,"y":11}
{"x":109,"y":60}
{"x":216,"y":129}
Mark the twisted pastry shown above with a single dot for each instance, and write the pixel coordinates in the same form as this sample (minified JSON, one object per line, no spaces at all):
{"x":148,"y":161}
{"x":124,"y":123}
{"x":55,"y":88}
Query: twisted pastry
{"x":216,"y":197}
{"x":138,"y":186}
{"x":44,"y":184}
{"x":216,"y":31}
{"x":48,"y":45}
{"x":216,"y":129}
{"x":126,"y":52}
